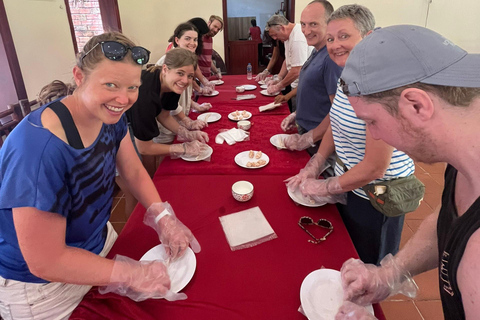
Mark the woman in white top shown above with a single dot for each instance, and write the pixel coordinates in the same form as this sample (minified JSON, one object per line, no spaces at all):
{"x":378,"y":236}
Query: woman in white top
{"x":362,"y":159}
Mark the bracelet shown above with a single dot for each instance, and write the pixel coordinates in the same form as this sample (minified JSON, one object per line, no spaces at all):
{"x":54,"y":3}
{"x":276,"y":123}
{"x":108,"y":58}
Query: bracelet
{"x":161,"y":215}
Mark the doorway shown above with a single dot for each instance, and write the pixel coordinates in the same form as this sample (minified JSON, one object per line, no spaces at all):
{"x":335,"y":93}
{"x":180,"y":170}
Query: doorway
{"x":237,"y":16}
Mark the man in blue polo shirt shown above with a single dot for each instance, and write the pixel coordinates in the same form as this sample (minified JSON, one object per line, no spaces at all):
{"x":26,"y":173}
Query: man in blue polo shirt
{"x":317,"y":83}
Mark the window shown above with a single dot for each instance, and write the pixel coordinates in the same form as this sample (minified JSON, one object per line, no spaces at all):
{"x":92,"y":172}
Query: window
{"x":86,"y":19}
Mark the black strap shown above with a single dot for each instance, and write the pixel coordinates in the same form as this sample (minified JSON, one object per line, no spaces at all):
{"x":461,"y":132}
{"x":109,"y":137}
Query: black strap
{"x":68,"y":125}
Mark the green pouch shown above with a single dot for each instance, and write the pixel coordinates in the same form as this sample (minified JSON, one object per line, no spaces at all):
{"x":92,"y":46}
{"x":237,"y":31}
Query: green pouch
{"x":396,"y":197}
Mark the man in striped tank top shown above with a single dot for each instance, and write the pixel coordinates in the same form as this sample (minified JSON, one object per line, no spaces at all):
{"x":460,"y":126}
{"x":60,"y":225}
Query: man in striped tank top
{"x":420,"y":92}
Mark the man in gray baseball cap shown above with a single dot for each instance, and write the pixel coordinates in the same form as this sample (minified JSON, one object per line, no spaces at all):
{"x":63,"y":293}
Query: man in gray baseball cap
{"x":420,"y":93}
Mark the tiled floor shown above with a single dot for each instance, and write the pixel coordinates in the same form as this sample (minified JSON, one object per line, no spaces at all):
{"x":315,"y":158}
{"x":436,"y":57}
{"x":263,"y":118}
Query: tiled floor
{"x":427,"y":305}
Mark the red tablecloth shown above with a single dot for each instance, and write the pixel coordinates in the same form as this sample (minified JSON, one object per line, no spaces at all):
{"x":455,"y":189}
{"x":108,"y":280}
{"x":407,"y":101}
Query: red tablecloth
{"x":262,"y":282}
{"x":264,"y":125}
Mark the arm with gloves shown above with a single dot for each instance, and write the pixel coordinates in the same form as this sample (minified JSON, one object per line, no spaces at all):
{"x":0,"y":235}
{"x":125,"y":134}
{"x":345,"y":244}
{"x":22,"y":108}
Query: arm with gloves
{"x":373,"y":166}
{"x":366,"y":283}
{"x":188,"y":123}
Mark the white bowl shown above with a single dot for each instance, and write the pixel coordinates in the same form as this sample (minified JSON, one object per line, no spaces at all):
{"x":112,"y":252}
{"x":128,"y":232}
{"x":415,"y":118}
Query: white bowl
{"x":244,"y":124}
{"x":242,"y":191}
{"x":240,"y":89}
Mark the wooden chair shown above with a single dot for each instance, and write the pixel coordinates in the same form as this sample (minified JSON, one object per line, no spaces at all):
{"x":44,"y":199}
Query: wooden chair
{"x":9,"y":119}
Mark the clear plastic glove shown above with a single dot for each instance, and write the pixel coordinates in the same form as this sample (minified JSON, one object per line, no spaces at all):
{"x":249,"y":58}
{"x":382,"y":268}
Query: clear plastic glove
{"x":193,"y":124}
{"x":219,"y":74}
{"x":208,"y":87}
{"x":352,"y":311}
{"x":189,"y":149}
{"x":206,"y":90}
{"x":184,"y":134}
{"x":313,"y":187}
{"x":262,"y":75}
{"x":316,"y":165}
{"x":274,"y":88}
{"x":289,"y":122}
{"x":201,"y":107}
{"x":140,"y":280}
{"x":273,"y":80}
{"x":299,"y":142}
{"x":173,"y":234}
{"x":364,"y":284}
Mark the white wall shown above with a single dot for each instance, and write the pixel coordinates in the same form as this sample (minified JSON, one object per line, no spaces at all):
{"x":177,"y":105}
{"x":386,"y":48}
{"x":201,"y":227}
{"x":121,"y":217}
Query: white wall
{"x":42,"y":39}
{"x":458,"y":23}
{"x":151,"y":22}
{"x":43,"y":42}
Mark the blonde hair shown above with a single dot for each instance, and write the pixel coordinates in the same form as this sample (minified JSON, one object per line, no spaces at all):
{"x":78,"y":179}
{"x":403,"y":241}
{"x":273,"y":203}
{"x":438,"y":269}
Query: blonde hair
{"x":214,"y":17}
{"x":86,"y":63}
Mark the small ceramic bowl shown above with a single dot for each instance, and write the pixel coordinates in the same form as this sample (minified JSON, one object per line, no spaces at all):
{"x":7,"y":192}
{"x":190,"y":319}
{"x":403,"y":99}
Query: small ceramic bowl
{"x":242,"y":191}
{"x":244,"y":124}
{"x":240,"y":89}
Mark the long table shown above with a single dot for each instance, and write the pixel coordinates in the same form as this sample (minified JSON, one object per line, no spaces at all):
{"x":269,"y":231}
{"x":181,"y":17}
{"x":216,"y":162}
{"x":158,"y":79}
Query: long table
{"x":262,"y":282}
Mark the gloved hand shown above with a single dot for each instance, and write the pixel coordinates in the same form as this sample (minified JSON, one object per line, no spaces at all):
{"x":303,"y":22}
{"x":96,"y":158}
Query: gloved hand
{"x":219,"y":74}
{"x":190,"y":149}
{"x":320,"y":187}
{"x":289,"y":122}
{"x":299,"y":142}
{"x":185,"y":135}
{"x":323,"y":190}
{"x":366,"y":283}
{"x":352,"y":311}
{"x":316,"y":165}
{"x":140,"y":280}
{"x":201,"y":107}
{"x":274,"y":88}
{"x":193,"y":124}
{"x":208,"y":87}
{"x":262,"y":75}
{"x":173,"y":234}
{"x":273,"y":80}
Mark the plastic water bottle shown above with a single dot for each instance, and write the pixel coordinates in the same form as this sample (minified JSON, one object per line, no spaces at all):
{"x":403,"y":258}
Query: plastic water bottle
{"x":249,"y":71}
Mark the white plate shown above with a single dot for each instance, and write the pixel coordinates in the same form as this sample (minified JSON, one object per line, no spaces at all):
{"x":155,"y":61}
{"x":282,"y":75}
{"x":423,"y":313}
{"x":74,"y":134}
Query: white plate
{"x":298,"y":197}
{"x":213,"y":94}
{"x":261,"y":82}
{"x":263,"y":86}
{"x":217,"y":82}
{"x":231,"y":116}
{"x":265,"y":93}
{"x":277,"y":140}
{"x":180,"y":271}
{"x":242,"y":159}
{"x":200,"y":157}
{"x":249,"y":86}
{"x":321,"y":294}
{"x":210,"y":116}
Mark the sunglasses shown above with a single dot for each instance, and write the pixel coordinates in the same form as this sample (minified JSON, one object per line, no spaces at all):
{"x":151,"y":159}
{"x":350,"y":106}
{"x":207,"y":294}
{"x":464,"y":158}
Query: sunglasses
{"x":322,"y":223}
{"x":347,"y":89}
{"x":116,"y":51}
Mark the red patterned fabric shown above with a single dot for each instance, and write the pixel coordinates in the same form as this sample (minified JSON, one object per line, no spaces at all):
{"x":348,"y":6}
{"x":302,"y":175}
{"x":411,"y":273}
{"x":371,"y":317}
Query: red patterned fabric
{"x":262,"y":282}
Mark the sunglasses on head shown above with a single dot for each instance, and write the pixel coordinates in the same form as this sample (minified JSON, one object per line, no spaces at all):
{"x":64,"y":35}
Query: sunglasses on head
{"x":116,"y":51}
{"x":322,"y":223}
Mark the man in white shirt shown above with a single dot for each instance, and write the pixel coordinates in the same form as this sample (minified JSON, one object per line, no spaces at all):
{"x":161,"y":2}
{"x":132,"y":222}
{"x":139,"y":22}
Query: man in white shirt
{"x":297,"y":52}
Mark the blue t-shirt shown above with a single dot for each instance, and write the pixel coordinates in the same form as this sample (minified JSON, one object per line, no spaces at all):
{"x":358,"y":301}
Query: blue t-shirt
{"x":39,"y":170}
{"x":317,"y":80}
